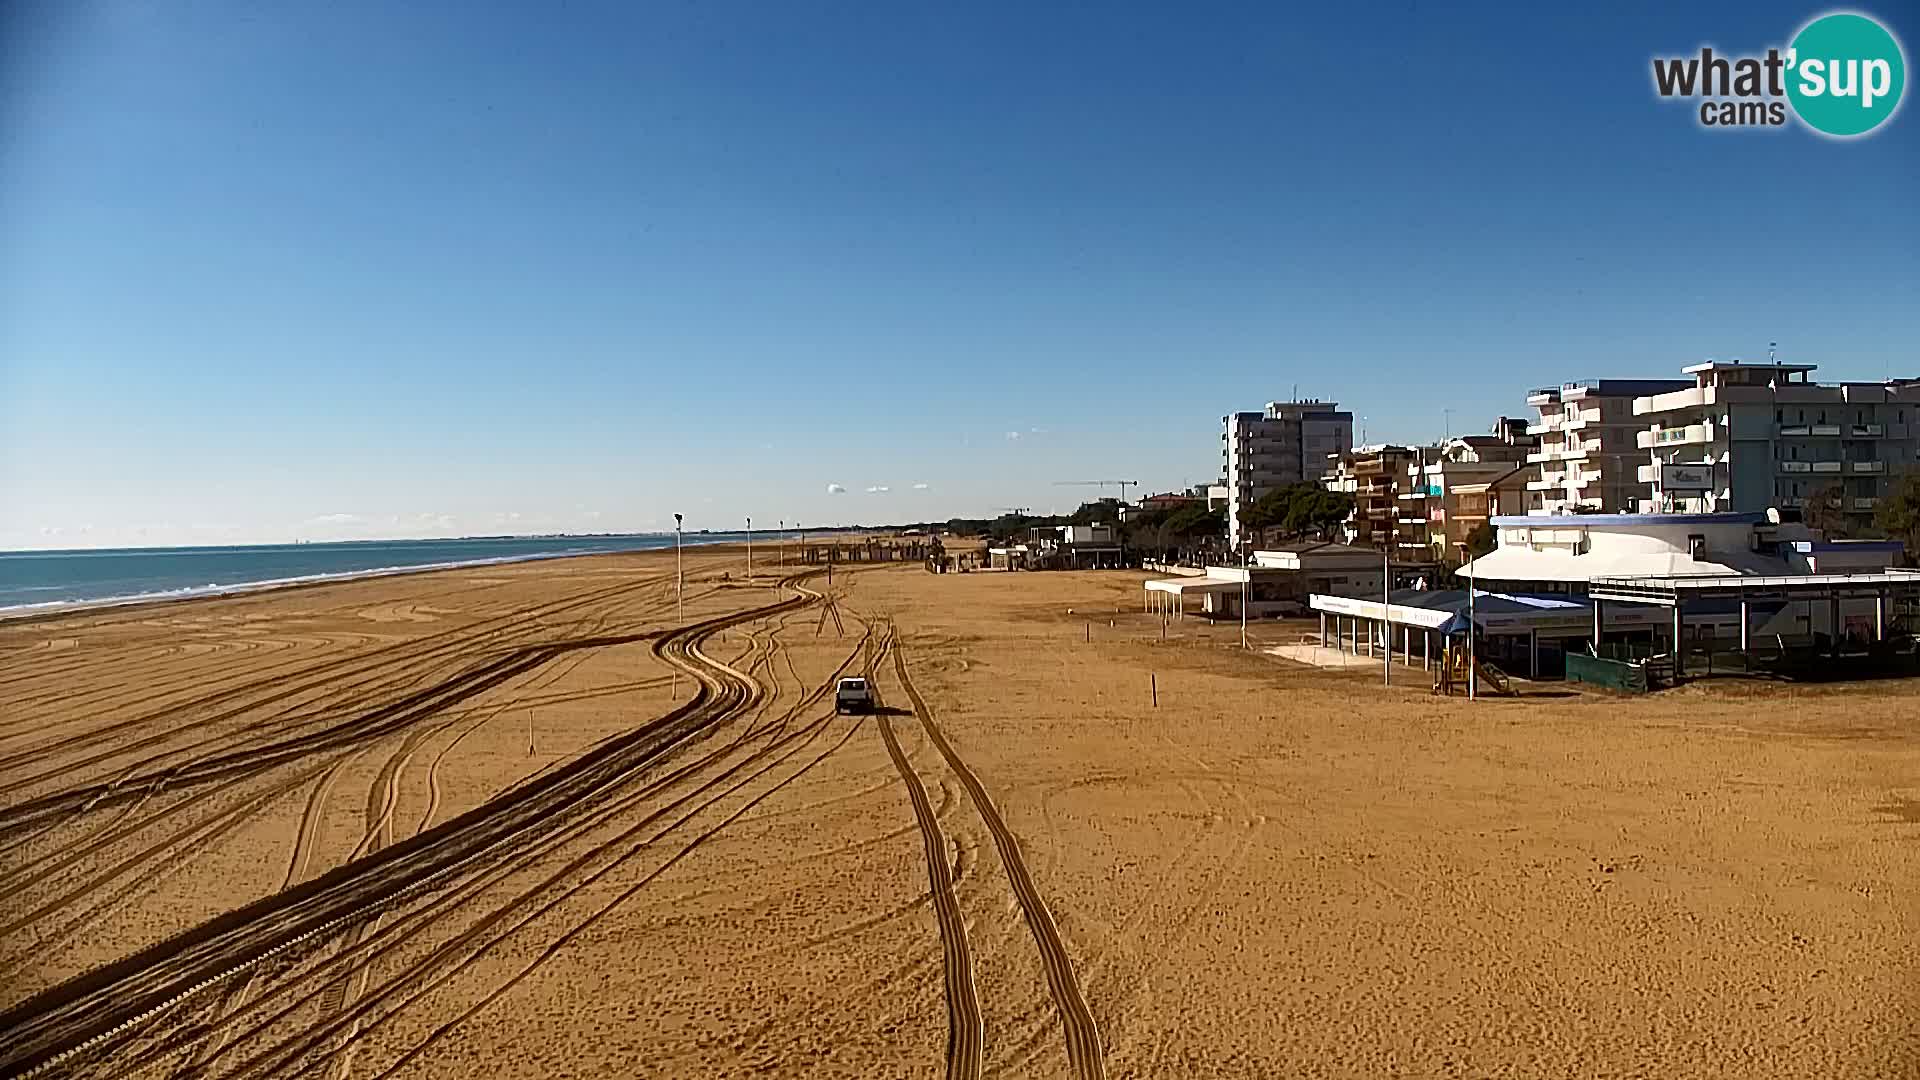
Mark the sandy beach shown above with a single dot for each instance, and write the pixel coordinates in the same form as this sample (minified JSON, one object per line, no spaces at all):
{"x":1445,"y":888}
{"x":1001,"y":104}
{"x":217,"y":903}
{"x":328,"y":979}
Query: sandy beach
{"x":530,"y":819}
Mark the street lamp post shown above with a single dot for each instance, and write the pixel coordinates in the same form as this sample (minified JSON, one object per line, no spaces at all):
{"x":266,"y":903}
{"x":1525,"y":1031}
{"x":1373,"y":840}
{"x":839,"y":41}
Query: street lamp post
{"x":1386,"y":614}
{"x":679,"y":574}
{"x":1246,"y":590}
{"x":1473,"y":667}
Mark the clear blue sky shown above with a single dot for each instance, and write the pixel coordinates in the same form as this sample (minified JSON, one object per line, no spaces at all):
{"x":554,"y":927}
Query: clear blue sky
{"x":411,"y":269}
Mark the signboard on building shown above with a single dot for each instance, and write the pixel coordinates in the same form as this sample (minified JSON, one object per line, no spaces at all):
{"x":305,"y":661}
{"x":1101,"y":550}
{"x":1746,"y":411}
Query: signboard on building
{"x":1686,"y":477}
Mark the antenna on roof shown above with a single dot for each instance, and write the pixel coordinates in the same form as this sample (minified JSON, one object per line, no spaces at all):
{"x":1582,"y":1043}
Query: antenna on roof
{"x":1771,"y":358}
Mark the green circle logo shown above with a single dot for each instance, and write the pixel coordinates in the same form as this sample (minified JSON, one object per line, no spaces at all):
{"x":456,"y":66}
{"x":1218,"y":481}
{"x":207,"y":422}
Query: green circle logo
{"x":1845,"y":74}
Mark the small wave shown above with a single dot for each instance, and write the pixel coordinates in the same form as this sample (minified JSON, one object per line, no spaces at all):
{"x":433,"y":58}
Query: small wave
{"x":8,"y":611}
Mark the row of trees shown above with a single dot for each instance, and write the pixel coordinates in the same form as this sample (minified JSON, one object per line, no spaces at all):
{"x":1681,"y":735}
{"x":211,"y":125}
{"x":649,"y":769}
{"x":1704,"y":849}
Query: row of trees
{"x":1299,"y":511}
{"x":1897,"y":517}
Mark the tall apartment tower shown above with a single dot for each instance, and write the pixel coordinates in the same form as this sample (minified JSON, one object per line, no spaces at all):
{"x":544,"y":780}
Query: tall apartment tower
{"x":1746,"y":437}
{"x":1289,"y":443}
{"x":1589,"y":458}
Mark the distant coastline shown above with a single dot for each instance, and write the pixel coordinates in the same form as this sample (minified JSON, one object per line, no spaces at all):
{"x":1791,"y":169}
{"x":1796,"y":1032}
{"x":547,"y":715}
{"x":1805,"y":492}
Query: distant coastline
{"x":40,"y":583}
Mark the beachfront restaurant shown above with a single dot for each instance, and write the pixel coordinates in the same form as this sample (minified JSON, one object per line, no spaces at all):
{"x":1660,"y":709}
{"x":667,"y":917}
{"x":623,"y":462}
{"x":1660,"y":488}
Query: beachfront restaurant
{"x":1277,"y":582}
{"x":1521,"y":633}
{"x":1690,"y":587}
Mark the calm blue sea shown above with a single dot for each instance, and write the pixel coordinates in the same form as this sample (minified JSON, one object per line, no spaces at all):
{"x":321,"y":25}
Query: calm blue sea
{"x":41,"y":580}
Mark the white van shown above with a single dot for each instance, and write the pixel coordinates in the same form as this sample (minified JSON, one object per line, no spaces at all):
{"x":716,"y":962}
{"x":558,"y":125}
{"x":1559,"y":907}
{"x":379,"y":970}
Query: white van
{"x":853,"y":695}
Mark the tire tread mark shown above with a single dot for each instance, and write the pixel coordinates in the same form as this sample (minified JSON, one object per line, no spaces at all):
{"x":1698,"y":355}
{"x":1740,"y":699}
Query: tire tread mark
{"x":1084,"y":1052}
{"x":966,"y":1027}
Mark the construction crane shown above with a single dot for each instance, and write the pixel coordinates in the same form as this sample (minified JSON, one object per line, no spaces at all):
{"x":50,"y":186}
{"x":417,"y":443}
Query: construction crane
{"x":1101,"y":484}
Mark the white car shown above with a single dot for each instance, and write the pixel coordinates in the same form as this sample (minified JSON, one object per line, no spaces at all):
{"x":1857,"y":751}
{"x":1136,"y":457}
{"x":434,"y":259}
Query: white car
{"x":853,"y":695}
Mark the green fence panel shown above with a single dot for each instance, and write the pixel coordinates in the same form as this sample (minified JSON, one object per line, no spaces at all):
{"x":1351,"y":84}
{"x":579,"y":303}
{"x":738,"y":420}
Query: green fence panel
{"x":1609,"y":674}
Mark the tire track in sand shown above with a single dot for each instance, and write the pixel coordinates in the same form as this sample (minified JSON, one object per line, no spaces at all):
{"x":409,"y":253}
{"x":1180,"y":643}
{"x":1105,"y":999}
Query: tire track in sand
{"x":1084,"y":1052}
{"x":966,"y":1027}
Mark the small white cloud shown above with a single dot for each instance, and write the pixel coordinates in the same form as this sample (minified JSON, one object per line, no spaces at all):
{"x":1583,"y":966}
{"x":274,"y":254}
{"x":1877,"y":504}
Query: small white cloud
{"x":836,"y":489}
{"x":1038,"y":430}
{"x":334,"y":519}
{"x":1013,"y":436}
{"x":878,"y":489}
{"x":922,"y":486}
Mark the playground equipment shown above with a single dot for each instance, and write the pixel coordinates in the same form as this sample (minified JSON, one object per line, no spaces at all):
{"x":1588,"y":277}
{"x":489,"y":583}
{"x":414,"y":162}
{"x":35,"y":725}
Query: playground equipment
{"x":1451,"y":675}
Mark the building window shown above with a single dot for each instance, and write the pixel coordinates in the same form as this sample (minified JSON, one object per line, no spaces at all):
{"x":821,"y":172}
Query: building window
{"x":1696,"y":544}
{"x":1779,"y":415}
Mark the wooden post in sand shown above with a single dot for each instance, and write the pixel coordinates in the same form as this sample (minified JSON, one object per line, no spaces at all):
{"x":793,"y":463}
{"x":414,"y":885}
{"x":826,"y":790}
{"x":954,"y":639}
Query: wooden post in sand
{"x":529,"y":732}
{"x":1153,"y":683}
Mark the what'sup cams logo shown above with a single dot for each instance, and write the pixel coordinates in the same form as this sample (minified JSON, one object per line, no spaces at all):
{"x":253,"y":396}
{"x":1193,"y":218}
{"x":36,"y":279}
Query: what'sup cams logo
{"x":1843,"y":75}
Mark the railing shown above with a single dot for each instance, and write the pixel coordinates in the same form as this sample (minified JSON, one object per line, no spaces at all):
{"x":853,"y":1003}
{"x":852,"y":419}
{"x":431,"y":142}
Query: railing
{"x":1867,"y":466}
{"x":1796,"y":466}
{"x":1865,"y":503}
{"x":1826,"y":466}
{"x":1793,"y":429}
{"x":1825,"y":429}
{"x":1868,"y":431}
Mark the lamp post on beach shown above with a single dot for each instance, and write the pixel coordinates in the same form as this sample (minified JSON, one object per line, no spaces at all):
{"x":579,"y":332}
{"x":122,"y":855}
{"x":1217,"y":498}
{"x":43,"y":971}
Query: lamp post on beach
{"x":679,"y":577}
{"x":783,"y":545}
{"x":1386,"y":615}
{"x":749,"y":549}
{"x":1246,"y":582}
{"x":1473,"y":666}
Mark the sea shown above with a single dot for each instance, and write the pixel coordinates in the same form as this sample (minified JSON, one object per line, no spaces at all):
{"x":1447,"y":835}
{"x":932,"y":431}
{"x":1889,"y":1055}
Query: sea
{"x":38,"y":581}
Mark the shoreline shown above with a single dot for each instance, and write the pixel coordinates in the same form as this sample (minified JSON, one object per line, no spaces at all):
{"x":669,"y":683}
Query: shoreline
{"x":58,"y":609}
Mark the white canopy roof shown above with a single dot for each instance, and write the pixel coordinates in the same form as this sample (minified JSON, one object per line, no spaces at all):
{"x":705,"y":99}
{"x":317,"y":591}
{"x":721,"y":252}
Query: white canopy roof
{"x":1526,"y":564}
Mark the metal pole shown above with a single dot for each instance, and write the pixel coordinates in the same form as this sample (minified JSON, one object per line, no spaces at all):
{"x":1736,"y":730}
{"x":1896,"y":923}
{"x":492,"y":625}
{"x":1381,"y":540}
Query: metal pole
{"x":1246,"y":581}
{"x":749,"y":549}
{"x":1386,"y":616}
{"x":1473,"y":664}
{"x":679,"y":575}
{"x":783,"y":544}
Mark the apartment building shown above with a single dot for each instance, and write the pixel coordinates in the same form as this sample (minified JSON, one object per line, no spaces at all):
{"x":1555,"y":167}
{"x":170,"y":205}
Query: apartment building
{"x":1588,"y":456}
{"x":1288,"y":443}
{"x":1458,"y":485}
{"x":1375,"y":476}
{"x":1745,"y":437}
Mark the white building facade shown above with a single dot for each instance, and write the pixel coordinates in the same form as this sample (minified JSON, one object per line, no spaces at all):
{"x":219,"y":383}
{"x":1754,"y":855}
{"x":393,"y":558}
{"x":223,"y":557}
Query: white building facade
{"x":1288,"y":443}
{"x":1588,"y":455}
{"x":1746,"y":437}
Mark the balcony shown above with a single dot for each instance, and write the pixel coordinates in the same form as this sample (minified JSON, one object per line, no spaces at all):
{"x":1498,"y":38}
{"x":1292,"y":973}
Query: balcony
{"x":1796,"y":466}
{"x":1543,"y":427}
{"x":1692,"y":397}
{"x":1542,"y":457}
{"x":1688,"y":435}
{"x":1589,"y":476}
{"x":1825,"y":429}
{"x":1868,"y":431}
{"x":1420,"y":521}
{"x":1826,"y":466}
{"x":1865,"y":503}
{"x":1789,"y":430}
{"x":1866,"y":466}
